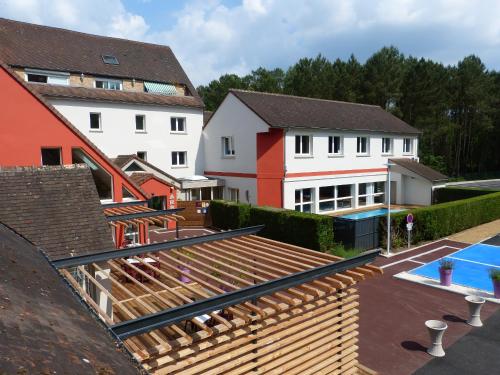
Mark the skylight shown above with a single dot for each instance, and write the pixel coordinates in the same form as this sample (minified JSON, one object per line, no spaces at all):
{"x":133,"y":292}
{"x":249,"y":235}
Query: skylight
{"x":110,"y":59}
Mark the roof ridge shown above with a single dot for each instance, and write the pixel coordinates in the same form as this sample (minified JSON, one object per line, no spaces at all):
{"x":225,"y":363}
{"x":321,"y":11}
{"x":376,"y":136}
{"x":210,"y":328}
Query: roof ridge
{"x":85,"y":33}
{"x":303,"y":97}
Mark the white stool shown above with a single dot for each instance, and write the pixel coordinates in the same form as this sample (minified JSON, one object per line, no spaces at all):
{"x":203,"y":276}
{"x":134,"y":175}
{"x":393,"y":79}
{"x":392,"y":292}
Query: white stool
{"x":475,"y":304}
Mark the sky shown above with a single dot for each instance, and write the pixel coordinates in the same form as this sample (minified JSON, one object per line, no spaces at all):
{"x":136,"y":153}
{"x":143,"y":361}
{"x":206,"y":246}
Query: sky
{"x":214,"y":37}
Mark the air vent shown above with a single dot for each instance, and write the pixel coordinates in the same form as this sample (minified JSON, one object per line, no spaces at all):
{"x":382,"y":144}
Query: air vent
{"x":110,"y":59}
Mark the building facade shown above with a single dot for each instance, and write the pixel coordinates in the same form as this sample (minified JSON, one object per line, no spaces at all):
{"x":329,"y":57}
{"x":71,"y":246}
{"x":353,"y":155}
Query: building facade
{"x":309,"y":155}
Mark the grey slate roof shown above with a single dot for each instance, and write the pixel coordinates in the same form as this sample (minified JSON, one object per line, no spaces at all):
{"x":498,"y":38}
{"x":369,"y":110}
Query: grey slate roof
{"x":42,"y":47}
{"x":55,"y":208}
{"x":420,"y":169}
{"x":43,"y":327}
{"x":286,"y":111}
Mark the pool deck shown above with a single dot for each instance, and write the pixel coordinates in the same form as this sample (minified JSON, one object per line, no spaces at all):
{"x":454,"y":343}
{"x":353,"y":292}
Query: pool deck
{"x":393,"y":338}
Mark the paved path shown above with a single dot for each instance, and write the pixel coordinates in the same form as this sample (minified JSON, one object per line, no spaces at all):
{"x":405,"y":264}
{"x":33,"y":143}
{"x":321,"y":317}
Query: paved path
{"x":393,"y":338}
{"x":477,"y":234}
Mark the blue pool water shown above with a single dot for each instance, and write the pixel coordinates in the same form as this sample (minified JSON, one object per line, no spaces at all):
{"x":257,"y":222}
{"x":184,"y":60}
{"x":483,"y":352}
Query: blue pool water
{"x":472,"y":266}
{"x":366,"y":214}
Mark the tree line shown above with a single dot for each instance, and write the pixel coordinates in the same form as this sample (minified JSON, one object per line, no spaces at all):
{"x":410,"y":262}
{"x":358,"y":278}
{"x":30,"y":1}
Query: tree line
{"x":457,"y":107}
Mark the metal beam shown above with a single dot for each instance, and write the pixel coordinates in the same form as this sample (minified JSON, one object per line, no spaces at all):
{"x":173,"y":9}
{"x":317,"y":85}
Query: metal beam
{"x":180,"y":313}
{"x":139,"y":215}
{"x":123,"y":204}
{"x":152,"y":248}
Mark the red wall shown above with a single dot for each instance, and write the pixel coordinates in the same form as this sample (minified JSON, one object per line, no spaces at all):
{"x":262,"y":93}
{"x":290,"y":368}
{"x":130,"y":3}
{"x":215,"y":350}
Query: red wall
{"x":159,"y":188}
{"x":270,"y":168}
{"x":27,"y":125}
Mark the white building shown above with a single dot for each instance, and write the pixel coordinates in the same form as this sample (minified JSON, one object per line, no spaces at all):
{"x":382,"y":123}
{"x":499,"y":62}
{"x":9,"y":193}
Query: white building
{"x":313,"y":155}
{"x":127,"y":97}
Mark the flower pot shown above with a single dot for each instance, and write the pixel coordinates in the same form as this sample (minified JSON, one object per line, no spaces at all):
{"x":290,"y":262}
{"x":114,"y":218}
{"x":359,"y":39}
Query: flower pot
{"x":475,"y":304}
{"x":445,"y":276}
{"x":496,"y":288}
{"x":183,"y":278}
{"x":436,"y":331}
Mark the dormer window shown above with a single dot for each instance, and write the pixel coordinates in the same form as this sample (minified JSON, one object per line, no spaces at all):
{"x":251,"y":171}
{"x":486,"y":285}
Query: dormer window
{"x":109,"y":84}
{"x":44,"y":76}
{"x":110,"y":59}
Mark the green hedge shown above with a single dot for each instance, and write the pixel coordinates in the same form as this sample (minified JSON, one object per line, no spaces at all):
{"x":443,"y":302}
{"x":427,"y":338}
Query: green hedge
{"x":450,"y":194}
{"x":297,"y":228}
{"x":440,"y":220}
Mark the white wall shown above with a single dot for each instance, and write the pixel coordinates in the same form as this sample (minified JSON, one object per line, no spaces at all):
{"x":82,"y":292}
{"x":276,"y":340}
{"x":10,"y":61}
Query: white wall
{"x":244,"y":185}
{"x":234,"y":119}
{"x":321,"y":161}
{"x":417,"y":191}
{"x":118,"y":135}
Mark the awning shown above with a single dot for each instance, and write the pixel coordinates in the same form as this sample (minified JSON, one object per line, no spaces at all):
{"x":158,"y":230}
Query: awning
{"x":160,"y":88}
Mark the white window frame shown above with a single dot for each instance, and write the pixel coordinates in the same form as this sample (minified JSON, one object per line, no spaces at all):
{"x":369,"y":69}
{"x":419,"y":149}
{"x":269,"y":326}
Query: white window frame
{"x":108,"y":81}
{"x":177,"y":165}
{"x":143,"y":123}
{"x":359,"y":144}
{"x":302,"y":202}
{"x":336,"y":198}
{"x":233,"y":194}
{"x":387,"y":152}
{"x":302,"y":154}
{"x":100,"y":122}
{"x":51,"y":75}
{"x":176,"y":131}
{"x":410,"y":140}
{"x":227,"y":152}
{"x":370,"y":194}
{"x":331,"y":142}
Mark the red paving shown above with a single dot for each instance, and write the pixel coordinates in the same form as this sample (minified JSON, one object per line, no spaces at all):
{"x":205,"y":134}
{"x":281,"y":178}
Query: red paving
{"x":393,"y":338}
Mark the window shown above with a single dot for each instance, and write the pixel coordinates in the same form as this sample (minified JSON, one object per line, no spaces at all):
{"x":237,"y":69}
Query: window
{"x":335,"y":145}
{"x":386,"y":146}
{"x":227,"y":146}
{"x":407,"y":146}
{"x":131,"y":235}
{"x":95,"y":121}
{"x":179,"y":158}
{"x":362,"y":146}
{"x":140,"y":123}
{"x":177,"y":125}
{"x":234,"y":194}
{"x":41,"y":76}
{"x":370,"y":193}
{"x":378,"y":192}
{"x":142,"y":155}
{"x":332,"y":198}
{"x":302,"y":145}
{"x":51,"y":156}
{"x":110,"y":59}
{"x":108,"y":84}
{"x":103,"y":180}
{"x":303,"y":200}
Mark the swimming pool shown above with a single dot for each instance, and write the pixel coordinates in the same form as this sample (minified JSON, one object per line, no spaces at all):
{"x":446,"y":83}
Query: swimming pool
{"x":471,"y":266}
{"x":367,"y":214}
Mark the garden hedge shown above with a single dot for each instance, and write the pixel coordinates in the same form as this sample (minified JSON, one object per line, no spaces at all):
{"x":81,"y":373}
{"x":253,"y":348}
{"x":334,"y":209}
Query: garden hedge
{"x":440,"y":220}
{"x":450,"y":194}
{"x":297,"y":228}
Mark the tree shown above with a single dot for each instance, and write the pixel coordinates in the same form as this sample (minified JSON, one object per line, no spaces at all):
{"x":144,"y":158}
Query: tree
{"x":216,"y":91}
{"x":264,"y":80}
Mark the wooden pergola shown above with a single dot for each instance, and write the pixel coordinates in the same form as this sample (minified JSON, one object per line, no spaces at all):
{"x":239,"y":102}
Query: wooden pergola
{"x":172,"y":307}
{"x":137,"y":215}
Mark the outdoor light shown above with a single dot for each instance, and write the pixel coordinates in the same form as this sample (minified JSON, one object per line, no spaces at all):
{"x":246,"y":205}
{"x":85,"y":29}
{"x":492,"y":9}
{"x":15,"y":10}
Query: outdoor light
{"x":388,"y":198}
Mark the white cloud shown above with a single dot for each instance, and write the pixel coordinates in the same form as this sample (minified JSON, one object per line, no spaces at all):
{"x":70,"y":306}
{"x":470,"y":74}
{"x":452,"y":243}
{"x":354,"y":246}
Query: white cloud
{"x":211,"y":37}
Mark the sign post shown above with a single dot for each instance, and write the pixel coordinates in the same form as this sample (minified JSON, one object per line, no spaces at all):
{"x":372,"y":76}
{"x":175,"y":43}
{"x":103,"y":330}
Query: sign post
{"x":409,"y":227}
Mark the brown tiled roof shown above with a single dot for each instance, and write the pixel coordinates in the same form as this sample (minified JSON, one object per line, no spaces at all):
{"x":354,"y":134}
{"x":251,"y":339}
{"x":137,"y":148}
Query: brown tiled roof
{"x":35,"y":46}
{"x":55,"y":208}
{"x":420,"y":169}
{"x":139,"y":177}
{"x":44,"y":329}
{"x":84,"y":93}
{"x":68,"y":124}
{"x":206,"y":117}
{"x":286,"y":111}
{"x":123,"y":160}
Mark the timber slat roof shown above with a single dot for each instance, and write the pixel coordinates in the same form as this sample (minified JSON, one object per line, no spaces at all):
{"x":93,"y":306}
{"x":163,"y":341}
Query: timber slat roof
{"x":286,"y":111}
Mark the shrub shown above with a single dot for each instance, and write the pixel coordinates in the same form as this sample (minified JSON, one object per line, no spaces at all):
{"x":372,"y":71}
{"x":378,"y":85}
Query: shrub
{"x":440,"y":220}
{"x":495,"y":274}
{"x":297,"y":228}
{"x":446,"y":264}
{"x":450,"y":194}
